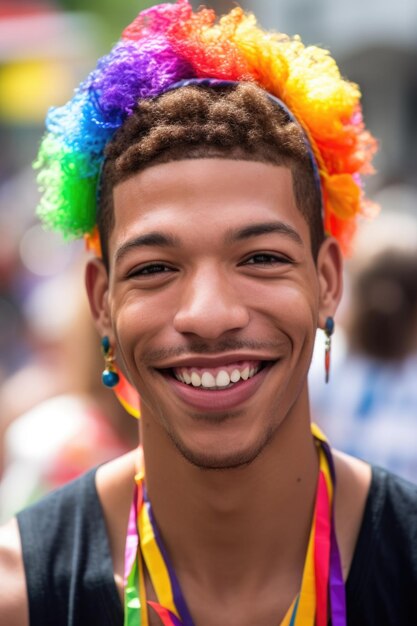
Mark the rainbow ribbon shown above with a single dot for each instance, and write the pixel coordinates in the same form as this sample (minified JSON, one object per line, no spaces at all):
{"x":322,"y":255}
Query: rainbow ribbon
{"x":322,"y":587}
{"x":127,"y":396}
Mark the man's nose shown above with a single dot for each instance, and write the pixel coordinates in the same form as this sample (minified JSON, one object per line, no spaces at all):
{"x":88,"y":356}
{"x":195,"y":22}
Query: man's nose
{"x":210,"y":306}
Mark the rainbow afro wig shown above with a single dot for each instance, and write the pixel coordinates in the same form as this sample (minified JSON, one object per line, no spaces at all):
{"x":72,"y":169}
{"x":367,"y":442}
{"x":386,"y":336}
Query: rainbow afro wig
{"x":169,"y":43}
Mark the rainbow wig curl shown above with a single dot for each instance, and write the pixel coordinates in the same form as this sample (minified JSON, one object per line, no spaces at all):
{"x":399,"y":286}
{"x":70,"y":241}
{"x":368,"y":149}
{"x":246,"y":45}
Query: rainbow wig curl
{"x":169,"y":43}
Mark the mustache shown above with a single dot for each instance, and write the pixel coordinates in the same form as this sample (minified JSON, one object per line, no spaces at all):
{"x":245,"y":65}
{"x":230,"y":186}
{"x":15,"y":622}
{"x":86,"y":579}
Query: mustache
{"x":202,"y":347}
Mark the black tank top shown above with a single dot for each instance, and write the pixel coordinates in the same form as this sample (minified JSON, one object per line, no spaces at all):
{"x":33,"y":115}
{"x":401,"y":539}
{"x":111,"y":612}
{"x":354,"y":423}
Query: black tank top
{"x":69,"y":568}
{"x":67,"y":559}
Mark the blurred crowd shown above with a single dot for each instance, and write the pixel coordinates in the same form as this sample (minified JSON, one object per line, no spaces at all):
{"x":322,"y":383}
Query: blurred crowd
{"x":56,"y":420}
{"x":369,"y":407}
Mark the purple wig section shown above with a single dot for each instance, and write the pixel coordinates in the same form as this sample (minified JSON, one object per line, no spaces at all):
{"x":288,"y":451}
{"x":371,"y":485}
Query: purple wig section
{"x":132,"y":71}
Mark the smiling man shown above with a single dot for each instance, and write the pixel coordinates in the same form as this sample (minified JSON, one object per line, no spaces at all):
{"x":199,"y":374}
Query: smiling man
{"x":218,"y":248}
{"x":222,"y":165}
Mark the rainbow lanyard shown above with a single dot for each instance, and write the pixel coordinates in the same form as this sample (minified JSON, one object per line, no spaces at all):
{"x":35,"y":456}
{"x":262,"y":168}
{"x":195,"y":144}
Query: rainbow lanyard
{"x":322,"y":593}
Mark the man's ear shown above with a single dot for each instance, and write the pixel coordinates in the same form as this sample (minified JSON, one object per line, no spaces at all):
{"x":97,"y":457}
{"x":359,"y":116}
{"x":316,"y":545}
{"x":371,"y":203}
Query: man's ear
{"x":97,"y":284}
{"x":330,"y":273}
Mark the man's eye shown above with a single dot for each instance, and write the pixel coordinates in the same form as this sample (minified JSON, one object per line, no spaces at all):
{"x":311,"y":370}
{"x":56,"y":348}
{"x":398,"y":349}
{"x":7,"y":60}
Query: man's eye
{"x":148,"y":270}
{"x":266,"y":259}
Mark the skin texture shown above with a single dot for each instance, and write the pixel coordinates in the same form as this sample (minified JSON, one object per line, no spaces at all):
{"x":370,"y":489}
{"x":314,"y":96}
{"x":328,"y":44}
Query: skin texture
{"x":210,"y":263}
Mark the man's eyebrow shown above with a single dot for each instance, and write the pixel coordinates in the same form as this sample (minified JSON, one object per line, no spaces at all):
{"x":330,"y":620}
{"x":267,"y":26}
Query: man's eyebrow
{"x":147,"y":240}
{"x":264,"y":228}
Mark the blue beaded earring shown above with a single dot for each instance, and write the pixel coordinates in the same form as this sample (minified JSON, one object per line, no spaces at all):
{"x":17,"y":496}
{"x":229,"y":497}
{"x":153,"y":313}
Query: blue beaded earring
{"x":328,"y":331}
{"x":109,"y":377}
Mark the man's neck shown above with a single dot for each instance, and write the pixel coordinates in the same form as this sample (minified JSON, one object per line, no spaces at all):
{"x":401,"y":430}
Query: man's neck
{"x":256,"y":519}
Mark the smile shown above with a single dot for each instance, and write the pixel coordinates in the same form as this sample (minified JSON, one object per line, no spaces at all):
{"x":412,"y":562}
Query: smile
{"x":220,"y":388}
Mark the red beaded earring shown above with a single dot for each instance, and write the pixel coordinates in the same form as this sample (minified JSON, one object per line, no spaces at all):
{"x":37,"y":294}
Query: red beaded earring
{"x":328,"y":330}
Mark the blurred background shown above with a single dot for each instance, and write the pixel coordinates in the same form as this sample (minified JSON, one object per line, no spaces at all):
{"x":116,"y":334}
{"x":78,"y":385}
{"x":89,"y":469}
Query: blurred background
{"x":46,"y":340}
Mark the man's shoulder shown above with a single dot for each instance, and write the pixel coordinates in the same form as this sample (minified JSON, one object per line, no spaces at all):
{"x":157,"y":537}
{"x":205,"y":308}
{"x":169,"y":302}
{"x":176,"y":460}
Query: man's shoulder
{"x":27,"y":539}
{"x":57,"y":553}
{"x":13,"y":595}
{"x":383,"y":576}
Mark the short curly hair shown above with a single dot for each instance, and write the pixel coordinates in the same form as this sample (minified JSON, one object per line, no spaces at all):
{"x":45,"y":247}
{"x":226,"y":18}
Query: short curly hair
{"x":237,"y":122}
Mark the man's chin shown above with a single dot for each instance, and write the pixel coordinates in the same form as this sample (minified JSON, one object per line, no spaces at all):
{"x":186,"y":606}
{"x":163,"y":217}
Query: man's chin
{"x":219,"y":460}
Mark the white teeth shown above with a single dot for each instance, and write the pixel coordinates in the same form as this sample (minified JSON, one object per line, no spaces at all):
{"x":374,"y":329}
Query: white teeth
{"x":195,"y":380}
{"x":208,"y":380}
{"x":222,"y":379}
{"x":244,"y":374}
{"x":235,"y":376}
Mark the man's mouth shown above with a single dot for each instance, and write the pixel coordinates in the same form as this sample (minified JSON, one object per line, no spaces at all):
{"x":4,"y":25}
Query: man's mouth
{"x":209,"y":385}
{"x":217,"y":378}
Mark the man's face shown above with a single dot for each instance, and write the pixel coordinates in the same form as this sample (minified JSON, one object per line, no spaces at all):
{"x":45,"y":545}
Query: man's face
{"x":213,"y":301}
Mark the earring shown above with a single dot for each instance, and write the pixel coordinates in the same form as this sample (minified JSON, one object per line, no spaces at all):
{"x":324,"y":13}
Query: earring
{"x":109,"y":376}
{"x":328,"y":331}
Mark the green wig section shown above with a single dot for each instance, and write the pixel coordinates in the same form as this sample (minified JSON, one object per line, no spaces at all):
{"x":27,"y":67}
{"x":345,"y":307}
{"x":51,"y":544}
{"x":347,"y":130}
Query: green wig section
{"x":67,"y":200}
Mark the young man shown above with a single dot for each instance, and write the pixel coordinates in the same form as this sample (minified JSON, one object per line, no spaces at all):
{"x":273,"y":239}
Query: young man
{"x":218,"y":211}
